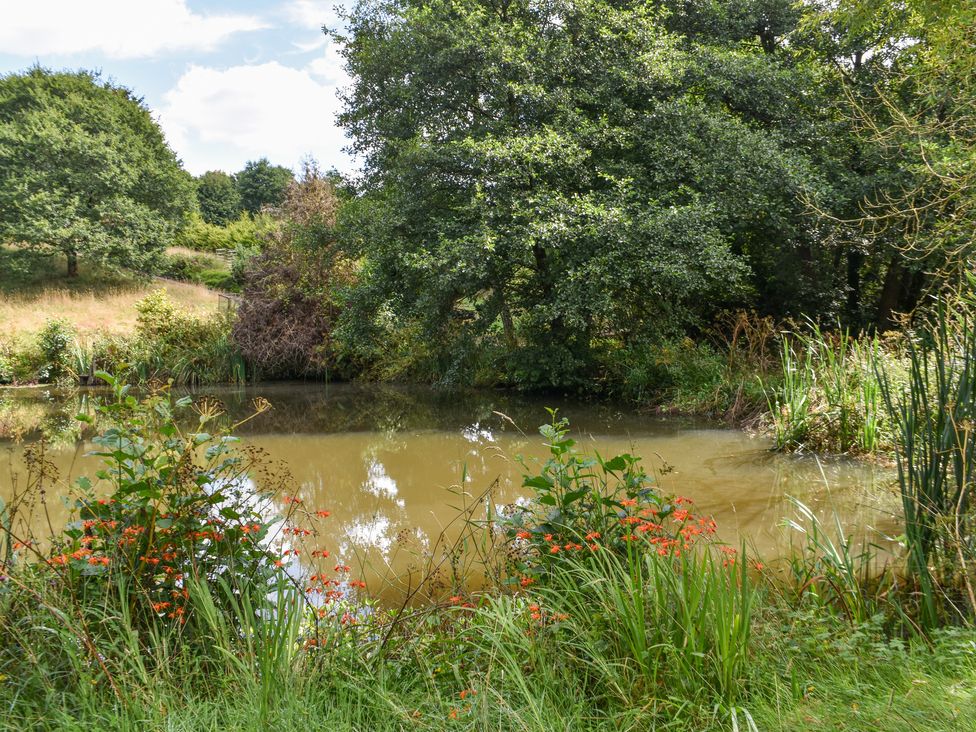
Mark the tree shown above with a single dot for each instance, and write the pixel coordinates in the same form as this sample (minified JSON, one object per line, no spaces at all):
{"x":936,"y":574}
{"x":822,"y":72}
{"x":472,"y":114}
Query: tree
{"x":262,"y":184}
{"x":292,"y":288}
{"x":928,"y":122}
{"x":543,"y":179}
{"x":85,"y":170}
{"x":218,"y":197}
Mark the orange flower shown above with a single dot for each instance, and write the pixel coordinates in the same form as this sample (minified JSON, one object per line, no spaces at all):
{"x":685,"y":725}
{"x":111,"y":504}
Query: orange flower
{"x":523,"y":535}
{"x":547,"y":537}
{"x":592,"y":535}
{"x":454,"y":599}
{"x":554,"y":549}
{"x":629,"y":502}
{"x":323,"y":514}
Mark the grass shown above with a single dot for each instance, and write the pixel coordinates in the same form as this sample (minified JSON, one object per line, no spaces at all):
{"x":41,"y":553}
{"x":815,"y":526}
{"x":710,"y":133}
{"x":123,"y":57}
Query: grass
{"x":55,"y":329}
{"x":34,"y":289}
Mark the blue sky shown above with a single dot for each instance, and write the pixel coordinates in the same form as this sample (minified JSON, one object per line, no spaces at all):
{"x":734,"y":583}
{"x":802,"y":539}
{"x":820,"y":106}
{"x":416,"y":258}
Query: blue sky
{"x":228,"y":80}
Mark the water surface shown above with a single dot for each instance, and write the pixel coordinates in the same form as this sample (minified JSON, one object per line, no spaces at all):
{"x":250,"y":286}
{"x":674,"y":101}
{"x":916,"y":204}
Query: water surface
{"x":394,"y":465}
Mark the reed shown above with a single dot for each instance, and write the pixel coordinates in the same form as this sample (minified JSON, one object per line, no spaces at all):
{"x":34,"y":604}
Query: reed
{"x":936,"y":449}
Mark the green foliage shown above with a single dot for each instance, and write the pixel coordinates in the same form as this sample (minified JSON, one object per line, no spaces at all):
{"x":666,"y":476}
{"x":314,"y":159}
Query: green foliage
{"x":6,"y":364}
{"x":172,"y":344}
{"x":603,"y":172}
{"x":218,"y":198}
{"x":826,"y":395}
{"x":175,"y":506}
{"x":85,"y":170}
{"x":262,"y":185}
{"x":246,"y":231}
{"x":203,"y":269}
{"x":54,"y":344}
{"x":630,"y":574}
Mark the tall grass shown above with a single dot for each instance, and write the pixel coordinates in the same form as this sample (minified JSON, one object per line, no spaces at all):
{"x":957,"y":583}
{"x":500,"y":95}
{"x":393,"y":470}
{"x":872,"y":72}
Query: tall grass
{"x":826,"y":396}
{"x":936,"y":449}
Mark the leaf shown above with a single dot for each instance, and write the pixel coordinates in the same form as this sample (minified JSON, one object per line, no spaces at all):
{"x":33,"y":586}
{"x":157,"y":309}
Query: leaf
{"x":574,"y":496}
{"x":540,"y":482}
{"x":617,"y":463}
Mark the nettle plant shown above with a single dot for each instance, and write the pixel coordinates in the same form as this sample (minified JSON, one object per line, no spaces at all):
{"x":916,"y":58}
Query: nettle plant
{"x":584,"y":504}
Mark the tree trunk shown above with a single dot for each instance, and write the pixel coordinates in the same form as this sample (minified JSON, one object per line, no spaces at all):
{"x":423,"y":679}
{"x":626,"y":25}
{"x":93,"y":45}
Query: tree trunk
{"x":855,"y":259}
{"x":72,"y":263}
{"x":507,"y":324}
{"x":890,"y":295}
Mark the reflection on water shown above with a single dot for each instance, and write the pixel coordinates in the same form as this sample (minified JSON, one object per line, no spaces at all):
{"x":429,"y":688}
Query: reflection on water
{"x":387,"y":462}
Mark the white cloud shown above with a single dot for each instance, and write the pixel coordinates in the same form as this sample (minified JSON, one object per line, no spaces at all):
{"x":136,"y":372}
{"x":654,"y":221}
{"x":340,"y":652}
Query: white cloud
{"x":219,"y":119}
{"x":117,"y":28}
{"x":313,"y":13}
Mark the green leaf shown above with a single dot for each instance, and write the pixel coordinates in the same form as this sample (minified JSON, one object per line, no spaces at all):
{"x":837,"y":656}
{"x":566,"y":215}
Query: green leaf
{"x":614,"y":464}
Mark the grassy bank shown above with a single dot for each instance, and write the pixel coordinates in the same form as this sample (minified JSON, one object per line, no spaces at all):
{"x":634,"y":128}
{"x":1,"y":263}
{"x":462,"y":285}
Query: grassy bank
{"x":183,"y":598}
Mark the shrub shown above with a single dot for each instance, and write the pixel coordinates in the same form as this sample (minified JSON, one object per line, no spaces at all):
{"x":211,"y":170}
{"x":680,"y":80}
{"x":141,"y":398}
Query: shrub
{"x":293,"y":288}
{"x":55,"y":342}
{"x":6,"y":364}
{"x":246,"y":230}
{"x":171,"y":343}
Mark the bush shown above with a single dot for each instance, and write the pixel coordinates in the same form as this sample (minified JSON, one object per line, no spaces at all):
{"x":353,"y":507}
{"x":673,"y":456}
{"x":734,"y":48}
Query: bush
{"x":171,"y":511}
{"x":54,"y":343}
{"x":293,"y":289}
{"x":247,"y":230}
{"x":173,"y":344}
{"x":6,"y":364}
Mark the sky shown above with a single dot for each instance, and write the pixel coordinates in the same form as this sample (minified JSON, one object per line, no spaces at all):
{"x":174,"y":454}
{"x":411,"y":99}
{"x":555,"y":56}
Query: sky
{"x":228,"y":80}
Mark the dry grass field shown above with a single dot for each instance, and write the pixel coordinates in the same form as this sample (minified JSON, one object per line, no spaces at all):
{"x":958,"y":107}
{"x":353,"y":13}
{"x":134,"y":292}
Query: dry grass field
{"x":109,"y":311}
{"x":96,"y":300}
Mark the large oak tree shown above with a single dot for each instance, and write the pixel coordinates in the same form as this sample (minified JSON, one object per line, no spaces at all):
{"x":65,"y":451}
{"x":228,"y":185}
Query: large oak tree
{"x":85,"y":170}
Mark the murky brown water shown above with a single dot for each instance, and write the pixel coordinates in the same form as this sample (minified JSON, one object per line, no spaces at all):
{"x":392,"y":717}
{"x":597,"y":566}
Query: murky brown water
{"x":388,"y":463}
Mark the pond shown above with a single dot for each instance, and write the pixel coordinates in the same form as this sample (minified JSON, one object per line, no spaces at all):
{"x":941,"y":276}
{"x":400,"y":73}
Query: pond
{"x":389,"y":463}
